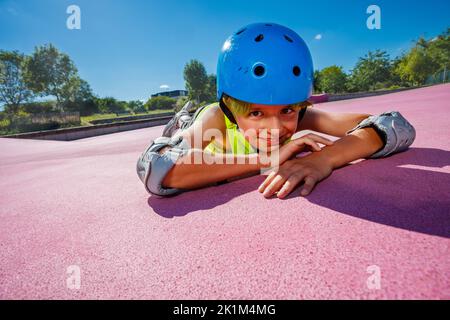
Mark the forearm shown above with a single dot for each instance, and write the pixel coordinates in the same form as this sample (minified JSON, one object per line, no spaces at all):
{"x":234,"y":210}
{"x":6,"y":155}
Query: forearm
{"x":359,"y":144}
{"x":198,"y":169}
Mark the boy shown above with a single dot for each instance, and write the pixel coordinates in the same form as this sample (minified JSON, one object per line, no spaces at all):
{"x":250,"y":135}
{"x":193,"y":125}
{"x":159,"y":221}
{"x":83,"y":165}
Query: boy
{"x":264,"y":81}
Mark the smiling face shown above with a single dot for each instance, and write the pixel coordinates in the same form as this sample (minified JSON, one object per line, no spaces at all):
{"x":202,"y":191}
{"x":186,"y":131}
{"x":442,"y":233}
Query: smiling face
{"x":267,"y":126}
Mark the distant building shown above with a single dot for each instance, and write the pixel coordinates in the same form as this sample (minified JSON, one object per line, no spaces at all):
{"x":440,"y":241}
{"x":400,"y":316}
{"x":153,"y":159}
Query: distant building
{"x":171,"y":94}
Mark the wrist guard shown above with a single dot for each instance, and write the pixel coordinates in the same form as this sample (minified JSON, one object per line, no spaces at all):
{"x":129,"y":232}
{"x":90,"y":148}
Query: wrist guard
{"x":397,"y":133}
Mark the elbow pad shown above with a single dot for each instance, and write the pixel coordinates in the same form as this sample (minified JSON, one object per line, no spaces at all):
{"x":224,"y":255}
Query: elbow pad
{"x":152,"y":167}
{"x":397,"y":133}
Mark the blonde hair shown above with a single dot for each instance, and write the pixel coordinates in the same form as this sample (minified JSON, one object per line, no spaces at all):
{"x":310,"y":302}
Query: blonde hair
{"x":241,"y":107}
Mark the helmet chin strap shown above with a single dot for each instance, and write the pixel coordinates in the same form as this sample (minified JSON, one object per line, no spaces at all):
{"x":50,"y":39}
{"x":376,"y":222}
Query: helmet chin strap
{"x":227,"y":111}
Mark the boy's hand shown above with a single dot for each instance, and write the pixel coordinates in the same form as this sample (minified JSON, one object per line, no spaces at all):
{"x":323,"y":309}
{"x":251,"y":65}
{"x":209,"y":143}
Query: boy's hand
{"x":311,"y":169}
{"x":308,"y":142}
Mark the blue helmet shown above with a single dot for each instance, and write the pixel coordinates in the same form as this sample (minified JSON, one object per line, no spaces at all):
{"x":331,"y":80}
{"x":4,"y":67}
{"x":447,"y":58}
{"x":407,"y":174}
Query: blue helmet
{"x":265,"y":63}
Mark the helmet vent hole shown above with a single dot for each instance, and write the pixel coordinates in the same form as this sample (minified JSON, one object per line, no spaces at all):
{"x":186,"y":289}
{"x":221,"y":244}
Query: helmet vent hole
{"x":259,"y":71}
{"x":269,"y":25}
{"x":240,"y":31}
{"x":288,"y":38}
{"x":259,"y":38}
{"x":296,"y":70}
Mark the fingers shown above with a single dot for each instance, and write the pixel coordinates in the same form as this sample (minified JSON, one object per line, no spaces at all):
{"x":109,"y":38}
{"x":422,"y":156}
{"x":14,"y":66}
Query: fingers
{"x":300,"y":144}
{"x":312,"y":144}
{"x":316,"y":138}
{"x":283,"y":180}
{"x":289,"y":185}
{"x":310,"y":182}
{"x":274,"y":186}
{"x":272,"y":183}
{"x":312,"y":140}
{"x":320,"y":139}
{"x":286,"y":186}
{"x":266,"y":182}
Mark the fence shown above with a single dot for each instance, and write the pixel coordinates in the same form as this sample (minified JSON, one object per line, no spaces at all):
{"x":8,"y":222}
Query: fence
{"x":440,"y":77}
{"x":130,"y":118}
{"x":58,"y":117}
{"x":73,"y":133}
{"x":354,"y":95}
{"x":43,"y":121}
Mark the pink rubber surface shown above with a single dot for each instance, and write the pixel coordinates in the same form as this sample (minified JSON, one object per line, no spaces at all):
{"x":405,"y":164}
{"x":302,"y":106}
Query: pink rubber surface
{"x":81,"y":203}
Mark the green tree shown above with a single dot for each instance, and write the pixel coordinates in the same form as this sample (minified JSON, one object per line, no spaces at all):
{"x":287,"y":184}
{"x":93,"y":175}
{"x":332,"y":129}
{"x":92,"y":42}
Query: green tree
{"x":438,"y":49}
{"x":370,"y":71}
{"x":13,"y":89}
{"x":83,"y":92}
{"x":316,"y":82}
{"x":332,"y":79}
{"x":82,"y":100}
{"x":110,"y":105}
{"x":397,"y":80}
{"x":52,"y":73}
{"x":210,"y":94}
{"x":196,"y":80}
{"x":38,"y":107}
{"x":160,"y":103}
{"x":180,"y":103}
{"x":428,"y":59}
{"x":136,"y":106}
{"x":416,"y":66}
{"x":121,"y":107}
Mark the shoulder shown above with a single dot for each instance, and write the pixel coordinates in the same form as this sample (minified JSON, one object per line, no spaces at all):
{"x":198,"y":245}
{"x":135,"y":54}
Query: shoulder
{"x":212,"y":117}
{"x":305,"y":116}
{"x":209,"y":117}
{"x":331,"y":123}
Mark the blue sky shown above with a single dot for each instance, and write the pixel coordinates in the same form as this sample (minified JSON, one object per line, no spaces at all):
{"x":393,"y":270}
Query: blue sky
{"x":129,"y":49}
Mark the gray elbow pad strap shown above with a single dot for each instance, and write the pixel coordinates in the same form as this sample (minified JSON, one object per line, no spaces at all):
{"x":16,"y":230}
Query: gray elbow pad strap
{"x":397,"y":133}
{"x":152,"y":167}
